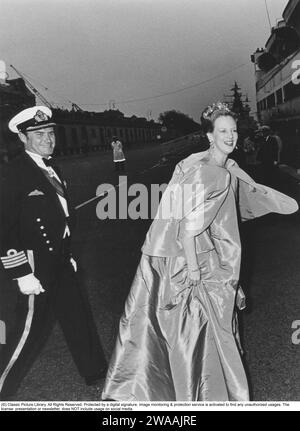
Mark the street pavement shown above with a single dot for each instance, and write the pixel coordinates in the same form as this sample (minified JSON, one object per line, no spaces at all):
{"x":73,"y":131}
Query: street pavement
{"x":108,"y":252}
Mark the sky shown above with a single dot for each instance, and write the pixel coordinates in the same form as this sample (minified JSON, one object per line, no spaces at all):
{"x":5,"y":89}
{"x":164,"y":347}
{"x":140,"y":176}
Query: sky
{"x":128,"y":53}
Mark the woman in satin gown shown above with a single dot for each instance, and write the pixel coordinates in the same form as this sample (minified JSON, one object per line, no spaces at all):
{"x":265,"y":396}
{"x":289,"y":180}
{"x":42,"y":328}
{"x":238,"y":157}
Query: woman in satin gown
{"x":178,"y":336}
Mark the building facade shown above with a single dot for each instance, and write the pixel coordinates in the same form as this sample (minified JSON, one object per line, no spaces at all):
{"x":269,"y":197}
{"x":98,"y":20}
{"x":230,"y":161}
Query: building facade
{"x":83,"y":132}
{"x":277,"y":73}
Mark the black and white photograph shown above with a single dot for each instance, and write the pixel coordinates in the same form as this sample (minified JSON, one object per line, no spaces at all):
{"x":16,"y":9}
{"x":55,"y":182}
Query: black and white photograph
{"x":149,"y":206}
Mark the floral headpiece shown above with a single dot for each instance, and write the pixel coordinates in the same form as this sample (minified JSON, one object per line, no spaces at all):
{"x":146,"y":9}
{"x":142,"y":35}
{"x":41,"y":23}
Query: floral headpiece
{"x":211,"y":109}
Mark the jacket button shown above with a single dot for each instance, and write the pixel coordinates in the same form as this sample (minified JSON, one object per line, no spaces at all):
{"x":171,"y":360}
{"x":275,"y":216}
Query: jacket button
{"x":47,"y":242}
{"x":50,"y":249}
{"x":38,"y":219}
{"x":42,"y":227}
{"x":44,"y":234}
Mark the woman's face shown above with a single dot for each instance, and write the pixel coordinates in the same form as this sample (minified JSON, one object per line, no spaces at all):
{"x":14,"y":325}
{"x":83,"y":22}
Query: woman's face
{"x":224,"y":136}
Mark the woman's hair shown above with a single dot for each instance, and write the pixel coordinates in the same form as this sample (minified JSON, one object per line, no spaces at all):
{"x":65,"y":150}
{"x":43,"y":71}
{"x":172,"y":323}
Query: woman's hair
{"x":212,"y":112}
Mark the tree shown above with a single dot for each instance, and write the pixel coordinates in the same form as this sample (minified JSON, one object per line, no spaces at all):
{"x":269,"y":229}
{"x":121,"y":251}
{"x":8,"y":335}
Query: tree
{"x":179,"y":121}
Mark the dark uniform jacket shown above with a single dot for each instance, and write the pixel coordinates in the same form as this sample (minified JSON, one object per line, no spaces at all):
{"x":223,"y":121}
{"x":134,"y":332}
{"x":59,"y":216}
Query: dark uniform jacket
{"x":32,"y":218}
{"x":268,"y":152}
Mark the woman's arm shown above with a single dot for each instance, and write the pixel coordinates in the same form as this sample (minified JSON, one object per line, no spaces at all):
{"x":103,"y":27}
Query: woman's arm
{"x":194,"y":274}
{"x":190,"y":252}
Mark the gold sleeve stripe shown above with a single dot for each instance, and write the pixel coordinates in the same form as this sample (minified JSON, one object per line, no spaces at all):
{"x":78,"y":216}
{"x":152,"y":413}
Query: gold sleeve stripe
{"x":15,"y":263}
{"x":13,"y":257}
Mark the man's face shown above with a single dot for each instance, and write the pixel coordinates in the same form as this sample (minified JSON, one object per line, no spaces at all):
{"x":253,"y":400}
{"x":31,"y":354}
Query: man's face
{"x":41,"y":141}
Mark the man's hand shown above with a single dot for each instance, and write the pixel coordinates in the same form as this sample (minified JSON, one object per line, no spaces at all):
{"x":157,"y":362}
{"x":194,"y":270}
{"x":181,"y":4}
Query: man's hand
{"x":29,"y":284}
{"x":74,"y":263}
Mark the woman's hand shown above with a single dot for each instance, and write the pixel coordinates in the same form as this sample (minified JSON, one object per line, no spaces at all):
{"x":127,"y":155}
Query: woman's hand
{"x":194,"y":277}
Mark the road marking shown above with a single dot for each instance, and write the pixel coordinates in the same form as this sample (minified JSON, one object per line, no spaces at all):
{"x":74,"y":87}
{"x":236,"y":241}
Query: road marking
{"x":138,"y":173}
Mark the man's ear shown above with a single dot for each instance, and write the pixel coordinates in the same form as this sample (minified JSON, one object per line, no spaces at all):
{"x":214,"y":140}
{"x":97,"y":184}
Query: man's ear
{"x":22,"y":137}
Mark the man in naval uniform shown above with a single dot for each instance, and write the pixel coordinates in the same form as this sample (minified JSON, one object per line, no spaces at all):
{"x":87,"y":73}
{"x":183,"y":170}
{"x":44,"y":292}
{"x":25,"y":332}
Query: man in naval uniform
{"x":35,"y":229}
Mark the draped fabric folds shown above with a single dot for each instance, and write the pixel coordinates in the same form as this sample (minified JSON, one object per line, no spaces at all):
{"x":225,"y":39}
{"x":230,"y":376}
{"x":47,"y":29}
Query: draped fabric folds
{"x":180,"y":343}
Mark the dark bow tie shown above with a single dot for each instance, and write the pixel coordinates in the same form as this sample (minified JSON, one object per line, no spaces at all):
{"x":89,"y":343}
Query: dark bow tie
{"x":49,"y":162}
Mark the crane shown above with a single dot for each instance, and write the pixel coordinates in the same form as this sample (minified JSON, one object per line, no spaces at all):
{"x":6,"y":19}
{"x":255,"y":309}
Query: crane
{"x":75,"y":107}
{"x":33,"y":89}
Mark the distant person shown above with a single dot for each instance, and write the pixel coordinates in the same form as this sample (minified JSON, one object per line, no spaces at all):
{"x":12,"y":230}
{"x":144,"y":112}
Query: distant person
{"x":118,"y":154}
{"x":279,"y":145}
{"x":178,"y":337}
{"x":36,"y":221}
{"x":250,"y":148}
{"x":268,"y":155}
{"x":259,"y":140}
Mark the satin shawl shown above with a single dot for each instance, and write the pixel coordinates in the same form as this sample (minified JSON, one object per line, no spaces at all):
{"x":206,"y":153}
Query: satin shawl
{"x":192,"y":209}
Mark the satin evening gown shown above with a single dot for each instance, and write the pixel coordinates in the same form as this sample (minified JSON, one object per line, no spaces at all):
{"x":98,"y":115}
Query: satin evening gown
{"x":181,"y":343}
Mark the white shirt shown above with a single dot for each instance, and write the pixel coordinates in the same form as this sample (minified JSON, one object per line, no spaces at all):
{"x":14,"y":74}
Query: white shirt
{"x":39,"y":161}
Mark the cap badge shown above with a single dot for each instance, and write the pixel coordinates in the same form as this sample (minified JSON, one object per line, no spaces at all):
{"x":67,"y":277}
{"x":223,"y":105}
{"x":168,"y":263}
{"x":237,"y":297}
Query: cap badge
{"x":40,"y":116}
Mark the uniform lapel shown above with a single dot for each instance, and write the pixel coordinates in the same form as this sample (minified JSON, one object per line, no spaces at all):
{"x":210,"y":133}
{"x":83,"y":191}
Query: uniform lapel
{"x":41,"y":179}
